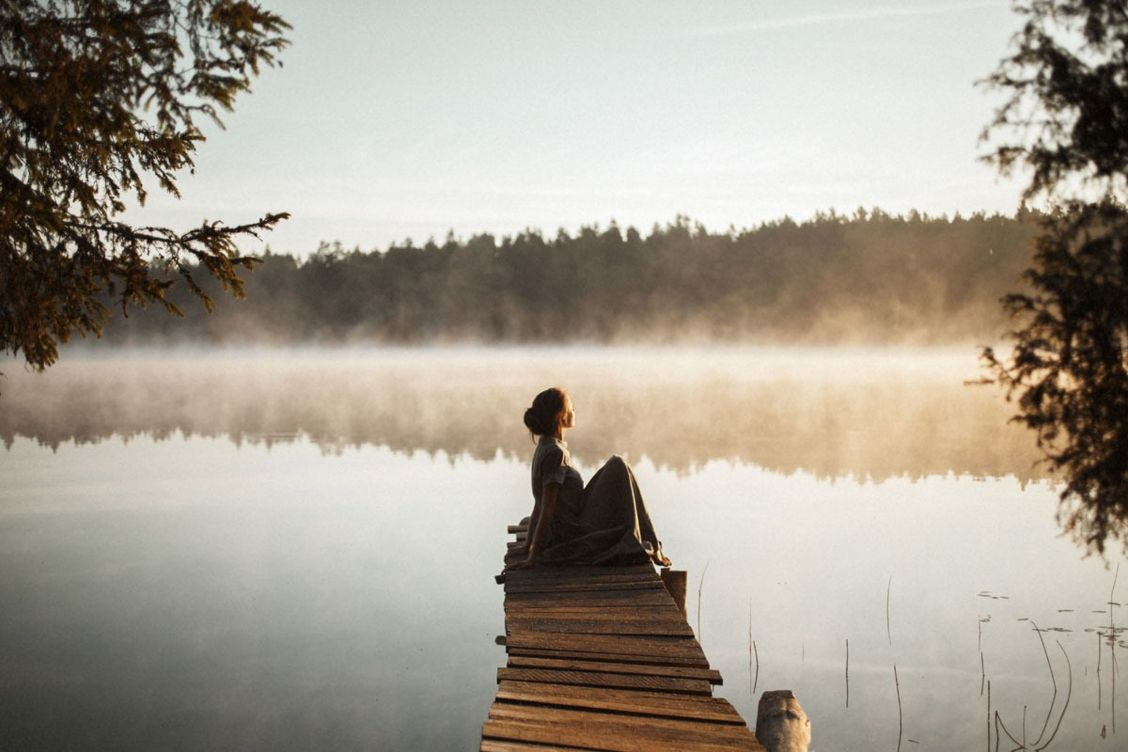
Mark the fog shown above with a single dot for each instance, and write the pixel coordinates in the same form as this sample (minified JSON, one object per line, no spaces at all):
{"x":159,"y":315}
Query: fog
{"x":832,"y":412}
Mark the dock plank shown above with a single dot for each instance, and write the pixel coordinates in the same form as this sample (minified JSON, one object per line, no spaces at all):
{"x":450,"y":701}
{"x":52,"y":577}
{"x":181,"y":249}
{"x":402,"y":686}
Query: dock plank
{"x":605,"y":598}
{"x":584,"y":716}
{"x":681,"y":647}
{"x":634,"y":583}
{"x":650,"y":627}
{"x":608,"y":680}
{"x":662,"y":660}
{"x":641,"y":669}
{"x":593,"y":612}
{"x":615,"y":733}
{"x":638,"y":702}
{"x":497,"y":745}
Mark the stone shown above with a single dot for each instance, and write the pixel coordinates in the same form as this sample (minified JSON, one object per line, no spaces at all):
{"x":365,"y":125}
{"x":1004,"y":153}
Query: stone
{"x":781,"y":724}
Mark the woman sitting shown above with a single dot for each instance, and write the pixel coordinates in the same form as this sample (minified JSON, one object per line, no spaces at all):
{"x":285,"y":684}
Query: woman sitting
{"x":602,"y":523}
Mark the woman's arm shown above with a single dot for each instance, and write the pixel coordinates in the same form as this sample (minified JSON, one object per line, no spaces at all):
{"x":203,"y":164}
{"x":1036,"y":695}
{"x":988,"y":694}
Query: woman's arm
{"x":539,"y":522}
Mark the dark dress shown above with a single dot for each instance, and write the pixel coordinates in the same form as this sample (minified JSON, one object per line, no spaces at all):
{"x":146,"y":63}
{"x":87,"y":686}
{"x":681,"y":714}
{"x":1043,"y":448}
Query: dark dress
{"x":602,"y":523}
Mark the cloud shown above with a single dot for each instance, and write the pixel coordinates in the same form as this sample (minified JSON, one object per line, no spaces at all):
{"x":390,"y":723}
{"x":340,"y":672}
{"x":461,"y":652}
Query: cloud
{"x":840,"y":16}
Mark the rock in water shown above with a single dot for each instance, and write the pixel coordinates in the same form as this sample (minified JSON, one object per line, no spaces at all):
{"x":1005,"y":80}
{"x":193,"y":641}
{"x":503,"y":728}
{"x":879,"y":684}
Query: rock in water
{"x":781,"y":724}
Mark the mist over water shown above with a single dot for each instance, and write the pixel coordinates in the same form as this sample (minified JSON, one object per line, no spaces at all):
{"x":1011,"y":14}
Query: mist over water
{"x":294,"y":549}
{"x":865,"y":413}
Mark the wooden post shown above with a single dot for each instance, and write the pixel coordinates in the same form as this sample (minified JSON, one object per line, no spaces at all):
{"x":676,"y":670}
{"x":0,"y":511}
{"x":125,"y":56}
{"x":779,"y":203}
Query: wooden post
{"x":781,"y":724}
{"x":675,"y":582}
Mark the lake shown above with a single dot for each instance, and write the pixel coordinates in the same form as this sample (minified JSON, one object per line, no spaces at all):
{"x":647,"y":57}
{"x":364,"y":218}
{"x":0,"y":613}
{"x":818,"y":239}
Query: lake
{"x":294,"y":549}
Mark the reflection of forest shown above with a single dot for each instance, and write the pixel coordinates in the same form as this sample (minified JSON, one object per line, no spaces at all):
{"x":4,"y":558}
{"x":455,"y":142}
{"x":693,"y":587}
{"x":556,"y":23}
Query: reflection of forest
{"x":830,"y":413}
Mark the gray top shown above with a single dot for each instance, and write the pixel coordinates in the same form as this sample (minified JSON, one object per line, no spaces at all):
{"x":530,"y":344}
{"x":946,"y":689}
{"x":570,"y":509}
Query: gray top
{"x":553,"y":465}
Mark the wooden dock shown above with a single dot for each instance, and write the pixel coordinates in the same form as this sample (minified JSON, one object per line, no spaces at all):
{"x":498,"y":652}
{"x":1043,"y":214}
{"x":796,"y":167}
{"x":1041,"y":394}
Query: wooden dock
{"x":601,"y":658}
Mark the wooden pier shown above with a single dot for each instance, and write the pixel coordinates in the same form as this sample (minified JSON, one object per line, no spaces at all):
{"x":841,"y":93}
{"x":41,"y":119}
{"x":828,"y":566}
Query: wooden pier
{"x":601,"y":658}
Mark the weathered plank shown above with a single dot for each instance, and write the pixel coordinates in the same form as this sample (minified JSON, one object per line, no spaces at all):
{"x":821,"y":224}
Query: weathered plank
{"x":583,"y":655}
{"x":498,"y":745}
{"x":552,"y":586}
{"x":512,"y":588}
{"x":640,"y":669}
{"x":650,"y":627}
{"x":637,"y":616}
{"x":534,"y":713}
{"x":574,"y":614}
{"x":682,"y":647}
{"x":614,"y":737}
{"x":657,"y":704}
{"x":616,"y":733}
{"x":607,"y":680}
{"x":607,"y":598}
{"x":585,"y":611}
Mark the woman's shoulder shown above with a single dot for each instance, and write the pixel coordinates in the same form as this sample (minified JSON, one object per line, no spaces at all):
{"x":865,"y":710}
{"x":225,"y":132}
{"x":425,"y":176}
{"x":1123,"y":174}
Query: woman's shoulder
{"x":551,"y":447}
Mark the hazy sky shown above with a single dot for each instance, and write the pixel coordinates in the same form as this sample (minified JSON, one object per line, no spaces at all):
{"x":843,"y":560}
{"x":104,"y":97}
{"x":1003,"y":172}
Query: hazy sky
{"x":407,"y":119}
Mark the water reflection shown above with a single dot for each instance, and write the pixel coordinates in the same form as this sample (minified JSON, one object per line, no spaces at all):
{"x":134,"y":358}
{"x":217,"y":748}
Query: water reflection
{"x":277,"y":601}
{"x":904,"y":571}
{"x":289,"y":598}
{"x":833,"y":413}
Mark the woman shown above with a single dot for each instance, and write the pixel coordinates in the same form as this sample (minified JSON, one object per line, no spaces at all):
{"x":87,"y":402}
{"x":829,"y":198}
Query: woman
{"x":604,"y":522}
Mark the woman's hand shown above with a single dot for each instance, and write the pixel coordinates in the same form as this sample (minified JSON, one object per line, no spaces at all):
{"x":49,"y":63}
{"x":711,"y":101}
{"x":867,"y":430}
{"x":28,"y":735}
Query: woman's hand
{"x":528,"y":562}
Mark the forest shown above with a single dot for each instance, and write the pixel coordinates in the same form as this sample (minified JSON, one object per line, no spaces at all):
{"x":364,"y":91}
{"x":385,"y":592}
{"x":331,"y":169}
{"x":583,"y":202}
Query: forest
{"x":865,"y":278}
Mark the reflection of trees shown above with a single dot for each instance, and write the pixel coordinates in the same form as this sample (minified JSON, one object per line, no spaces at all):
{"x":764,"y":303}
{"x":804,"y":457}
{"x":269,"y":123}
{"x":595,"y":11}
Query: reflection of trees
{"x":1069,"y":368}
{"x":680,"y":409}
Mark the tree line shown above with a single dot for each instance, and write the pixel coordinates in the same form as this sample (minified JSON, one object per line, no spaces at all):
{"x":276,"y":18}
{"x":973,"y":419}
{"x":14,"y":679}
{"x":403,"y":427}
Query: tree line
{"x":863,"y":278}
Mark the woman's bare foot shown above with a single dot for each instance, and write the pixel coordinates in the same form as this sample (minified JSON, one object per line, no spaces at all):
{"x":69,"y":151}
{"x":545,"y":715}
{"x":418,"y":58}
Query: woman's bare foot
{"x":661,"y":559}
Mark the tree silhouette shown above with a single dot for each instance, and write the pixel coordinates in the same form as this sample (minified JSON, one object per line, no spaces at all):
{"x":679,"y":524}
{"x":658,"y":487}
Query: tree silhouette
{"x":874,"y":278}
{"x":1066,"y":122}
{"x":97,"y":96}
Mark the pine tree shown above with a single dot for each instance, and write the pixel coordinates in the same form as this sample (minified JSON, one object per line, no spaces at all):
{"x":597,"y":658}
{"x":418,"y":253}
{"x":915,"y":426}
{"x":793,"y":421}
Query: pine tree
{"x":97,"y":99}
{"x":1065,"y":123}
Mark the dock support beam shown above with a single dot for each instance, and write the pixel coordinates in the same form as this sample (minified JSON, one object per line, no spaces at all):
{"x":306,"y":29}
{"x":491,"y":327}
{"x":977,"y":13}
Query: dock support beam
{"x":675,"y":582}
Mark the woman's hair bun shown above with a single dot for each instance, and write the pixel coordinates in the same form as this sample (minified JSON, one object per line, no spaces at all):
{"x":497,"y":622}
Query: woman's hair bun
{"x":531,"y":422}
{"x":545,"y":414}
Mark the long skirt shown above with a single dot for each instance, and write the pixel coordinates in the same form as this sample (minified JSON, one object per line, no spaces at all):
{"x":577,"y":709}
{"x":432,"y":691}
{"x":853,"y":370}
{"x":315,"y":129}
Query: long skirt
{"x":605,"y":525}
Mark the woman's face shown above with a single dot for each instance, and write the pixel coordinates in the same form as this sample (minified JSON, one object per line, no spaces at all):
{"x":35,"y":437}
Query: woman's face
{"x":569,"y":413}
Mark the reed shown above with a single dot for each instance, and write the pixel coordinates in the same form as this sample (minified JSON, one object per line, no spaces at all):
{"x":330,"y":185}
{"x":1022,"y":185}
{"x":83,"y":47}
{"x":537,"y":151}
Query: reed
{"x":1100,"y":652}
{"x":900,"y":713}
{"x":982,"y":673}
{"x":888,"y":615}
{"x":988,"y":715}
{"x":756,"y":680}
{"x":753,"y":655}
{"x":1053,"y":681}
{"x":1068,"y":696}
{"x":700,"y":586}
{"x":1112,"y":644}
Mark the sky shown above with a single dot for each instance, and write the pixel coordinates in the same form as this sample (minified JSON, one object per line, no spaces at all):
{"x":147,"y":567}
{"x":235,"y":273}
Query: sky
{"x":395,"y":120}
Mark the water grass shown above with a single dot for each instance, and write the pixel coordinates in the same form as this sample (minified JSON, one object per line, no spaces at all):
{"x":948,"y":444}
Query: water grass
{"x":900,"y":712}
{"x":888,"y":611}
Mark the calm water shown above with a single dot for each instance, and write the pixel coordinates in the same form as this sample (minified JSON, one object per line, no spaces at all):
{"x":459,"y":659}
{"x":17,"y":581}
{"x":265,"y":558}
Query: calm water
{"x":294,"y":550}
